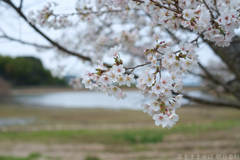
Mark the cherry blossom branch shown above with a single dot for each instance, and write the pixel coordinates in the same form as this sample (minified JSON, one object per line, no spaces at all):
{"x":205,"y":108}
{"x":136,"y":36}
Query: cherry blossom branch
{"x":199,"y":35}
{"x":101,"y":12}
{"x":45,"y":36}
{"x":160,"y":69}
{"x":159,"y":5}
{"x":168,"y":8}
{"x":140,"y":65}
{"x":215,"y":11}
{"x":215,"y":4}
{"x":196,"y":39}
{"x":147,"y":63}
{"x":177,"y":5}
{"x":208,"y":9}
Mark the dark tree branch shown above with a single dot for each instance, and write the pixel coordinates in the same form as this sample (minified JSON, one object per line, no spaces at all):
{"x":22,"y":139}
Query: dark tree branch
{"x":208,"y":9}
{"x":168,"y":8}
{"x":231,"y":81}
{"x":173,"y":35}
{"x":215,"y":4}
{"x":218,"y":81}
{"x":216,"y":102}
{"x":159,"y":5}
{"x":230,"y":55}
{"x":196,"y":39}
{"x":27,"y":43}
{"x":20,"y":6}
{"x":199,"y":75}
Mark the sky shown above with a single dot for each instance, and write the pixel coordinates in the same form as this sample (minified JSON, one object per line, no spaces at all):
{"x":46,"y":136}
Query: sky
{"x":16,"y":27}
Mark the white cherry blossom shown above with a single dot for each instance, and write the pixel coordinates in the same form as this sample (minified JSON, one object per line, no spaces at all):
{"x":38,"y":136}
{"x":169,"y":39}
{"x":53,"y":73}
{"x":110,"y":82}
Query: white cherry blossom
{"x":161,"y":119}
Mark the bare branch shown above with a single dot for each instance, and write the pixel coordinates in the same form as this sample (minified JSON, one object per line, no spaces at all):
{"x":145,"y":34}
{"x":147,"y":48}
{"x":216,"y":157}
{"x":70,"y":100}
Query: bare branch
{"x":231,"y":81}
{"x":160,"y":69}
{"x":215,"y":11}
{"x":27,"y":43}
{"x":141,"y":65}
{"x":218,"y":81}
{"x":160,"y":6}
{"x":216,"y":102}
{"x":20,"y":6}
{"x":215,"y":4}
{"x":199,"y":75}
{"x":196,"y":39}
{"x":172,"y":35}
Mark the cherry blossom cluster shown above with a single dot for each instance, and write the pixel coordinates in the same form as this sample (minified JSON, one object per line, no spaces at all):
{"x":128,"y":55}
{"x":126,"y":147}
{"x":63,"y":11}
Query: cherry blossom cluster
{"x":218,"y":27}
{"x":159,"y":89}
{"x":163,"y":104}
{"x":229,"y":20}
{"x":217,"y":23}
{"x":117,"y":3}
{"x":46,"y":18}
{"x":109,"y":80}
{"x":211,"y":20}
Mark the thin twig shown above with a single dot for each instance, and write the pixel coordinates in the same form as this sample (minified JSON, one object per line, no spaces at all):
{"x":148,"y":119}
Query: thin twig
{"x":20,"y":6}
{"x":160,"y":68}
{"x":159,"y":5}
{"x":196,"y":39}
{"x":172,"y":35}
{"x":215,"y":3}
{"x":168,"y":8}
{"x":209,"y":9}
{"x":27,"y":43}
{"x":215,"y":11}
{"x":141,"y":65}
{"x":87,"y":13}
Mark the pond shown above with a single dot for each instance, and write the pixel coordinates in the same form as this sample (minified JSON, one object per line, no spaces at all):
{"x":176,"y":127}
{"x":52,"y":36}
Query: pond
{"x":88,"y":99}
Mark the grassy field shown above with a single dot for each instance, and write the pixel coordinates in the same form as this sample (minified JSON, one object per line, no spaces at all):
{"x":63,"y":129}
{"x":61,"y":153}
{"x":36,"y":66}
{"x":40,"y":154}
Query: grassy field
{"x":94,"y":134}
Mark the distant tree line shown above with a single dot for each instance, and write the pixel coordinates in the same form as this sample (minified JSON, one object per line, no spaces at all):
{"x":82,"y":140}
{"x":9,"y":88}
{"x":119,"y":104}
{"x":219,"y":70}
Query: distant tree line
{"x":25,"y":71}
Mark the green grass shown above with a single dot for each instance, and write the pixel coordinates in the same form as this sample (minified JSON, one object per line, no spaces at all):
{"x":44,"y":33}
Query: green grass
{"x":33,"y":156}
{"x":117,"y":132}
{"x":108,"y":136}
{"x":36,"y":156}
{"x":92,"y":158}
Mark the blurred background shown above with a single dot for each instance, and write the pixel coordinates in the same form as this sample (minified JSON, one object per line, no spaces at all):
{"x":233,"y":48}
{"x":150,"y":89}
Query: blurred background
{"x":49,"y":120}
{"x":43,"y":118}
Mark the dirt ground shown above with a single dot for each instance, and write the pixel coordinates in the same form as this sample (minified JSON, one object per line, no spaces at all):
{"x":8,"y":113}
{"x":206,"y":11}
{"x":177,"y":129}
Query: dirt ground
{"x":203,"y":132}
{"x":170,"y":148}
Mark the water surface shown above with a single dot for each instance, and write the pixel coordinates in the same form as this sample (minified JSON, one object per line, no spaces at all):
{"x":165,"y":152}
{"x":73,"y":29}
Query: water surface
{"x":90,"y":99}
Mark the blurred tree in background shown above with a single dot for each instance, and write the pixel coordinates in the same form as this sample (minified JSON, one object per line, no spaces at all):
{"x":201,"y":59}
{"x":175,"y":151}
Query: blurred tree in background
{"x":24,"y":71}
